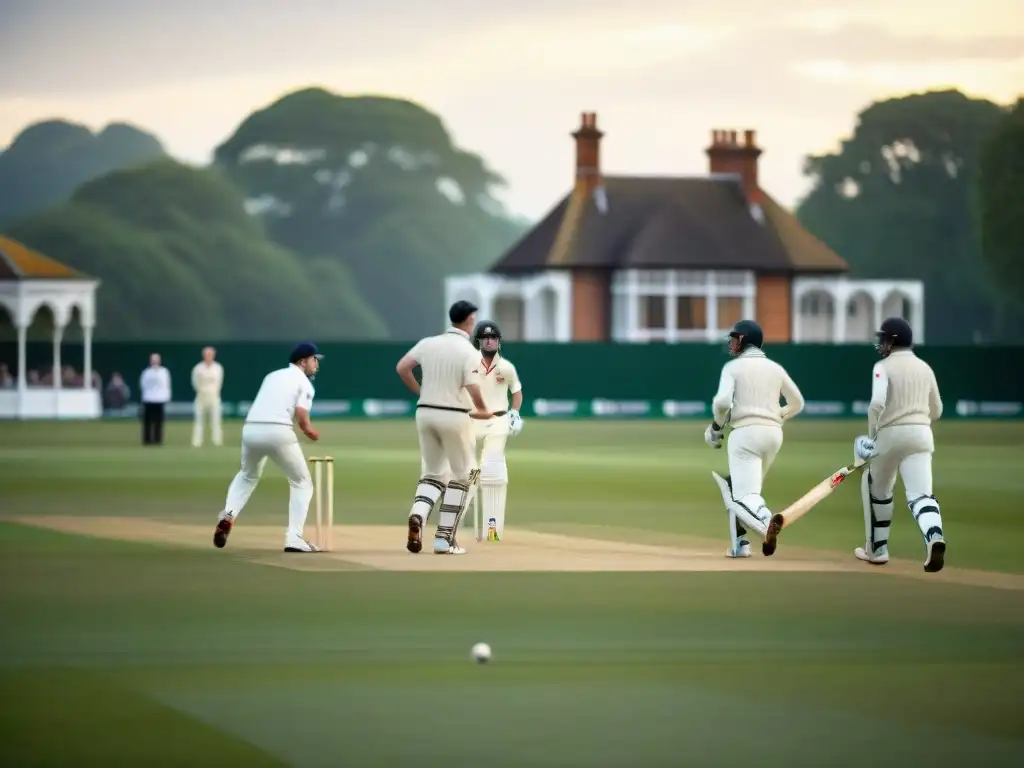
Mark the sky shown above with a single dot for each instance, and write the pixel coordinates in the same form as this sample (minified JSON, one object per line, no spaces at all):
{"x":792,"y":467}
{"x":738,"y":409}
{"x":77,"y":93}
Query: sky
{"x":510,"y":81}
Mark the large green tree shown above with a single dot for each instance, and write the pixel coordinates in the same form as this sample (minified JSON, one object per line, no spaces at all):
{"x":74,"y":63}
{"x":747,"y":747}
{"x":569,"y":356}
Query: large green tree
{"x":377,"y":187}
{"x":1001,"y":203}
{"x":895,"y":202}
{"x":48,"y":160}
{"x":180,"y":258}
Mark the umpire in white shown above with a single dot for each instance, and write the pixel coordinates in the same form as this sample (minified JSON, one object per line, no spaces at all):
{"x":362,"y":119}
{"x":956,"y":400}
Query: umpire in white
{"x":449,"y":395}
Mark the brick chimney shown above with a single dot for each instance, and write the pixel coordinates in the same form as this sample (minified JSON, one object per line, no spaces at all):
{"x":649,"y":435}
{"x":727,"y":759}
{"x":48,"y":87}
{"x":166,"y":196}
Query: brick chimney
{"x":728,"y":155}
{"x":588,"y":151}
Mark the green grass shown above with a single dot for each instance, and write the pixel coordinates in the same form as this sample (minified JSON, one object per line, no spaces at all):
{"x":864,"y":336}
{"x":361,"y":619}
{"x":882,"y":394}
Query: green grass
{"x":129,"y":654}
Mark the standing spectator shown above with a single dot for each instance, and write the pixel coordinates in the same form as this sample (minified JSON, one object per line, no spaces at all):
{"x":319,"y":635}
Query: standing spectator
{"x":207,"y":380}
{"x":155,"y":388}
{"x":6,"y":380}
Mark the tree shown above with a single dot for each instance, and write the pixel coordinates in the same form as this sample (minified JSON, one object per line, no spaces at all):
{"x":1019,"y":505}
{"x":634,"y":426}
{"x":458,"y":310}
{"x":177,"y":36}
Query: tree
{"x":376,"y":186}
{"x":48,"y":160}
{"x":180,"y":258}
{"x":895,"y":202}
{"x":1000,"y":208}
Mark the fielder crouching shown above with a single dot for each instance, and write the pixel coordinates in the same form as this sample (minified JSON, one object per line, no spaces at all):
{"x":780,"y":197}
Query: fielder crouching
{"x":748,"y":398}
{"x":905,"y":401}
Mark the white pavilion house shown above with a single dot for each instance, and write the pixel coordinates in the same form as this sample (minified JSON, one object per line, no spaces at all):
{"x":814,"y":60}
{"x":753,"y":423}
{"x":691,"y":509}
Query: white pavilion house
{"x":29,"y":282}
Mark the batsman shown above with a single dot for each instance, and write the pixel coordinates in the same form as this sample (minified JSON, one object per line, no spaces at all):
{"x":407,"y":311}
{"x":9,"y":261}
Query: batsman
{"x":905,"y":401}
{"x":748,"y":398}
{"x":499,"y":381}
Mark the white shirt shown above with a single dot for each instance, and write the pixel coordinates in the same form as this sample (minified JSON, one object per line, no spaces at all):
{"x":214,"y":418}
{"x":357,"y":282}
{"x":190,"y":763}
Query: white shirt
{"x":447,"y":363}
{"x":903,"y":391}
{"x":497,"y":382}
{"x":155,"y":384}
{"x":208,"y":379}
{"x":281,"y":392}
{"x":750,"y":387}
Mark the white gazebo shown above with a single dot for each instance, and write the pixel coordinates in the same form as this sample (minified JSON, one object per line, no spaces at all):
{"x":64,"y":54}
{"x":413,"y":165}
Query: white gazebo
{"x":30,"y":281}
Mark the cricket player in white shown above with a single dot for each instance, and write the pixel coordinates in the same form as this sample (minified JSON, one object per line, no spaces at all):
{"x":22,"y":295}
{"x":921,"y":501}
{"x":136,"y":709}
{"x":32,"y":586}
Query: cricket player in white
{"x":748,"y":399}
{"x":498,"y":381}
{"x":207,"y":381}
{"x":905,"y":401}
{"x":449,"y":396}
{"x":285,"y":395}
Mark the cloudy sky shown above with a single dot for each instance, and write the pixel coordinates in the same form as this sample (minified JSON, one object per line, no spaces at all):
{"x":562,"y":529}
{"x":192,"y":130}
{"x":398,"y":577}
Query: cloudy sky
{"x":510,"y":80}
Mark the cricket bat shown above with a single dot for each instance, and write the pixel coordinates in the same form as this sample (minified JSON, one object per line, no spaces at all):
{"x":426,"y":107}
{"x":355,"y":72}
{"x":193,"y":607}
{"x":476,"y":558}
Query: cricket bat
{"x":818,"y":493}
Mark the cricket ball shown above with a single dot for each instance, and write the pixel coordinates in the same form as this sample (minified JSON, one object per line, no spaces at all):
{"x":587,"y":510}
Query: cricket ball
{"x":481,"y":653}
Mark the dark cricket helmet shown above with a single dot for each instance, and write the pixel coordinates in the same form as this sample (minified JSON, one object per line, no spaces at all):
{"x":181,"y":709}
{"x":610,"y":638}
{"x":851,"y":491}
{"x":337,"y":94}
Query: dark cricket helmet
{"x":747,"y":333}
{"x":486,"y":329}
{"x":895,"y":333}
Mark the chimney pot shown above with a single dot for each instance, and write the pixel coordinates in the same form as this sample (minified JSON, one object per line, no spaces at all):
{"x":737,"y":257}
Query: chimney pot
{"x":732,"y":138}
{"x":749,"y":137}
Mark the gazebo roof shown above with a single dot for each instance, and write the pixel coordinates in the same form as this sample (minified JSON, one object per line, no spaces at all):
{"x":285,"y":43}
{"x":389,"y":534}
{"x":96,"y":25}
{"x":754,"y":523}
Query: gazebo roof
{"x":19,"y":262}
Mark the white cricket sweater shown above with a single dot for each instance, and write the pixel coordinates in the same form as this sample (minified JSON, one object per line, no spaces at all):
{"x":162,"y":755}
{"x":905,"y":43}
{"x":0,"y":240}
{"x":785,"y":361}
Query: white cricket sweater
{"x":903,"y":391}
{"x":749,"y":391}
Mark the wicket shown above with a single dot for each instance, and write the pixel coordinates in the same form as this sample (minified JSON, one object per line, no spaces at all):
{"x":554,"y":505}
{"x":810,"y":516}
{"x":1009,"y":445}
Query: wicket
{"x":324,"y":534}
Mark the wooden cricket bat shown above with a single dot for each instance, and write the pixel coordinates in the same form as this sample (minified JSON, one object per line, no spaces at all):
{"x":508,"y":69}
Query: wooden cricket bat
{"x":818,"y":493}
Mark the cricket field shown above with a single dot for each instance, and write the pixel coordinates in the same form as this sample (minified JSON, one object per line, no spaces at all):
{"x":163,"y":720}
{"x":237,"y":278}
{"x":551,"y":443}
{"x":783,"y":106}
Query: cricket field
{"x":622,"y":635}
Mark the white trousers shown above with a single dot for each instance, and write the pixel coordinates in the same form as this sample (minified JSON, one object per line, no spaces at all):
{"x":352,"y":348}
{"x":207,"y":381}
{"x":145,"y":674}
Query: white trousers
{"x":752,"y":450}
{"x":207,"y":408}
{"x":905,"y":451}
{"x":280,"y":444}
{"x":446,"y":445}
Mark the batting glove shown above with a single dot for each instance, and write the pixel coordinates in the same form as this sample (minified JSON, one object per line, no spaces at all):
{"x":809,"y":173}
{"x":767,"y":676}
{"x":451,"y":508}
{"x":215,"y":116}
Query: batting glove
{"x":515,"y":422}
{"x":713,"y":435}
{"x":864,"y":448}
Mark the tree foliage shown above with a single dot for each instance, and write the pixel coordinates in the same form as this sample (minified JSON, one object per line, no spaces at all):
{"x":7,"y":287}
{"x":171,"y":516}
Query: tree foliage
{"x":48,"y":160}
{"x":376,"y":186}
{"x":1000,"y":207}
{"x":895,"y":202}
{"x":180,"y":258}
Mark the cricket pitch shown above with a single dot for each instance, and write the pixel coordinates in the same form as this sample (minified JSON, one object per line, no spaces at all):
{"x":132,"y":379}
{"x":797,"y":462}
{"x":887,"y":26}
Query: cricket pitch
{"x":383,"y":548}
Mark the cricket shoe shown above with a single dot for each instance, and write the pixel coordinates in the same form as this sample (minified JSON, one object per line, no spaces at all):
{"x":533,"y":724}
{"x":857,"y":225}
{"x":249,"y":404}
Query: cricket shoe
{"x":881,"y":557}
{"x":743,"y":550}
{"x":936,"y":557}
{"x":297,"y":544}
{"x":415,"y":542}
{"x":771,"y":537}
{"x":445,"y":547}
{"x":223,"y":529}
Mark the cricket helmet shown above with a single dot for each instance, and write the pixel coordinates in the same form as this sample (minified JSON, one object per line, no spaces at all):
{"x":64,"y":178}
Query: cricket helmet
{"x":894,"y":333}
{"x":486,"y":329}
{"x":746,"y":333}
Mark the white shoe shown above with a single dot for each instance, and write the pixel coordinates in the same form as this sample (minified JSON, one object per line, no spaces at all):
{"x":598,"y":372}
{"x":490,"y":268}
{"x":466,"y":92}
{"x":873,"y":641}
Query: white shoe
{"x":295,"y":544}
{"x":444,"y":547}
{"x":936,"y":557}
{"x":875,"y":558}
{"x":742,"y":551}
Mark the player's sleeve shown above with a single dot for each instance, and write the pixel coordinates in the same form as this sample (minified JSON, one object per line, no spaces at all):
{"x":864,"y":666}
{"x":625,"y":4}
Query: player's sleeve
{"x":195,"y":377}
{"x":934,"y":400}
{"x":722,"y":402}
{"x":794,"y":397}
{"x":305,"y":399}
{"x":469,"y":368}
{"x":514,"y":385}
{"x":879,"y":391}
{"x":416,"y":351}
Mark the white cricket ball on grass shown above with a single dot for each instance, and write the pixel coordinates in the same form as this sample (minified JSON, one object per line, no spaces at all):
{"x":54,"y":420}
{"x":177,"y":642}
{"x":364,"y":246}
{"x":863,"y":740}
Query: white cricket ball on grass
{"x":482,"y":653}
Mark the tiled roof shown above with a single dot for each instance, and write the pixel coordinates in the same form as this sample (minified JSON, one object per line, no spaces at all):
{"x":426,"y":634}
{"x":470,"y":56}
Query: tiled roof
{"x":666,"y":223}
{"x":19,"y":262}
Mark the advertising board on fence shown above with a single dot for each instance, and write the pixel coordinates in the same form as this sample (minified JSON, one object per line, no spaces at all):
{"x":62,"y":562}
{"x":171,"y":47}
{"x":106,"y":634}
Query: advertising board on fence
{"x":597,"y":408}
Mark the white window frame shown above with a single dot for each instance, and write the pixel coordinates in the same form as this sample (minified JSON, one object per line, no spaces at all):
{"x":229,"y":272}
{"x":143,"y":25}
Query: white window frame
{"x":628,"y":286}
